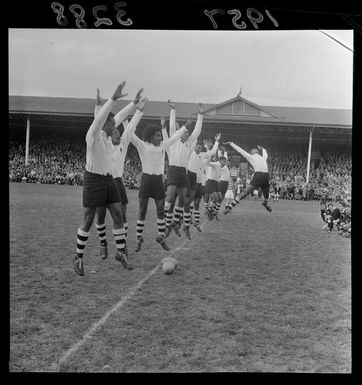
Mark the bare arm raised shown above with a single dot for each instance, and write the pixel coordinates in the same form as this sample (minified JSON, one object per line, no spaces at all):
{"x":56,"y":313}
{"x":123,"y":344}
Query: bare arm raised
{"x":102,"y":115}
{"x":129,"y":109}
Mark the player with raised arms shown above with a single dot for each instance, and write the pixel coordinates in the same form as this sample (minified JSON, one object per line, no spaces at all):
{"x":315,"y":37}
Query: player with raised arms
{"x":152,"y":154}
{"x":177,"y":182}
{"x":194,"y":169}
{"x":99,"y":187}
{"x":120,"y":150}
{"x":260,"y":178}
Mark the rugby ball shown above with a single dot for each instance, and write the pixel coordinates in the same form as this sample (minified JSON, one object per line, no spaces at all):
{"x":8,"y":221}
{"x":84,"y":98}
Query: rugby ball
{"x":171,"y":259}
{"x":168,"y":267}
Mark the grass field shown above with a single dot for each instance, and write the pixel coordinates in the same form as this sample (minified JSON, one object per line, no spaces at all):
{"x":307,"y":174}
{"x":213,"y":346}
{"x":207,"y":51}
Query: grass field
{"x":255,"y":292}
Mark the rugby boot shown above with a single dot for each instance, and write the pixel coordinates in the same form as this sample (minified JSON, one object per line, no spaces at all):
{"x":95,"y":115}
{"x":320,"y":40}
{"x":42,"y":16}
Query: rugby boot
{"x":265,"y":204}
{"x":168,"y":231}
{"x":121,"y":257}
{"x":104,"y":250}
{"x":227,"y":210}
{"x":210,"y":215}
{"x":161,"y":240}
{"x":175,"y":228}
{"x":198,"y":228}
{"x":139,"y":244}
{"x":78,"y":265}
{"x":187,"y":232}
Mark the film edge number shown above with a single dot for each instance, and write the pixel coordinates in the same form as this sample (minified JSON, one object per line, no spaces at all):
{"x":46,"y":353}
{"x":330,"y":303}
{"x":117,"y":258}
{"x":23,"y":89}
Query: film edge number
{"x":237,"y":15}
{"x":79,"y":13}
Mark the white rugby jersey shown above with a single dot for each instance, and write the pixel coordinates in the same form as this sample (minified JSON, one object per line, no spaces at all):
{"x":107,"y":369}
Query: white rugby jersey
{"x":224,"y":174}
{"x":201,"y":175}
{"x":120,"y":151}
{"x":213,"y":171}
{"x":179,"y":153}
{"x":195,"y":161}
{"x":153,"y":157}
{"x":258,"y":162}
{"x":99,"y":145}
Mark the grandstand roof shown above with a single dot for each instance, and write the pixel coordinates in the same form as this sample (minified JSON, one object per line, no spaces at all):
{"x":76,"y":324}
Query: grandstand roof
{"x":235,"y":110}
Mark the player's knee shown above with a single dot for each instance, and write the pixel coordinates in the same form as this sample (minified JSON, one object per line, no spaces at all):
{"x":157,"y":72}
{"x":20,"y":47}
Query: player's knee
{"x":88,"y":218}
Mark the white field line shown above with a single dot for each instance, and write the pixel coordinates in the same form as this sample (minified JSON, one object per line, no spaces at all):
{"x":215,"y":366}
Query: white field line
{"x":88,"y":335}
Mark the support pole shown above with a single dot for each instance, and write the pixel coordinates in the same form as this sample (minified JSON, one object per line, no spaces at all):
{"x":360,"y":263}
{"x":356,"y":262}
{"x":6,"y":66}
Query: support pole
{"x":309,"y":153}
{"x":27,"y":141}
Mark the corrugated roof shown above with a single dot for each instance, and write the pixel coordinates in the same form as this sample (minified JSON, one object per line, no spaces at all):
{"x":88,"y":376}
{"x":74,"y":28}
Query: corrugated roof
{"x":154,"y":109}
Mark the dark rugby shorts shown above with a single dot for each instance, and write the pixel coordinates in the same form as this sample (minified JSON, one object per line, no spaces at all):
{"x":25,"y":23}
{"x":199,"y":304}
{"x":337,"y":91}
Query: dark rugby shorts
{"x":260,"y":180}
{"x":192,"y":180}
{"x":99,"y":190}
{"x":199,"y":190}
{"x":223,"y":186}
{"x":211,"y":186}
{"x":177,"y":176}
{"x":122,"y":190}
{"x":152,"y":186}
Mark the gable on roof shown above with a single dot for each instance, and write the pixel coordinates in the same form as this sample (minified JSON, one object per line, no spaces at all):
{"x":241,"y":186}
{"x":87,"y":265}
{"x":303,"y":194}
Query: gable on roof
{"x":239,"y":106}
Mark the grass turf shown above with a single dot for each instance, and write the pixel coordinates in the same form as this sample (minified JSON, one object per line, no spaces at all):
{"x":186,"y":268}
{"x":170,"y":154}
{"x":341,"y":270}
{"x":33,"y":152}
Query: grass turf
{"x":254,"y":292}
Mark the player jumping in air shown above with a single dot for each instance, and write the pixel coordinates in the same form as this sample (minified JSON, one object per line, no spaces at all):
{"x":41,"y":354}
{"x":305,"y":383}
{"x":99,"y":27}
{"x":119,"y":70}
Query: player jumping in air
{"x":120,"y":143}
{"x":99,"y":187}
{"x":260,"y":178}
{"x":152,"y":154}
{"x":177,"y":182}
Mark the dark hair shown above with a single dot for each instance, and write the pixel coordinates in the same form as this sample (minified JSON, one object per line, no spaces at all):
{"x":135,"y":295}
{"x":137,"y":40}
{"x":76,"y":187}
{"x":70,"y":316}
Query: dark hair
{"x":199,"y":143}
{"x":222,"y":157}
{"x":149,"y":131}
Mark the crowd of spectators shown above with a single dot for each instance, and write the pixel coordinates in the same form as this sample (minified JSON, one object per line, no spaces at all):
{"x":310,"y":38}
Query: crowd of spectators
{"x":62,"y":160}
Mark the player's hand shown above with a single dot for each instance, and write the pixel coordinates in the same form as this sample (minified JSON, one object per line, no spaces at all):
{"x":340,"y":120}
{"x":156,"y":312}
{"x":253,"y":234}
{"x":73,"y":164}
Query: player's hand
{"x":259,"y":147}
{"x":226,"y":143}
{"x":98,"y":97}
{"x":217,"y":137}
{"x":118,"y":92}
{"x":163,"y":121}
{"x":138,"y":96}
{"x":141,"y":104}
{"x":201,"y":108}
{"x":125,"y":123}
{"x":171,"y":104}
{"x":188,"y":123}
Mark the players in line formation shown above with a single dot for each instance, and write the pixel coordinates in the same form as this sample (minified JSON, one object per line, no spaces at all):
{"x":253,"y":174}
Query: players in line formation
{"x":192,"y":173}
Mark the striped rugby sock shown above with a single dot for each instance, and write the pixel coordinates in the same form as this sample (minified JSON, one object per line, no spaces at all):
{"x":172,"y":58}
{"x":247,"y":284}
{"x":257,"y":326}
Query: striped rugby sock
{"x":119,"y":236}
{"x":169,"y":216}
{"x":140,"y":228}
{"x":197,"y":217}
{"x":101,"y":231}
{"x":161,"y":226}
{"x":234,"y":202}
{"x":218,"y":205}
{"x":187,"y":219}
{"x":212,"y":207}
{"x":177,"y":214}
{"x":82,"y":238}
{"x":125,"y":225}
